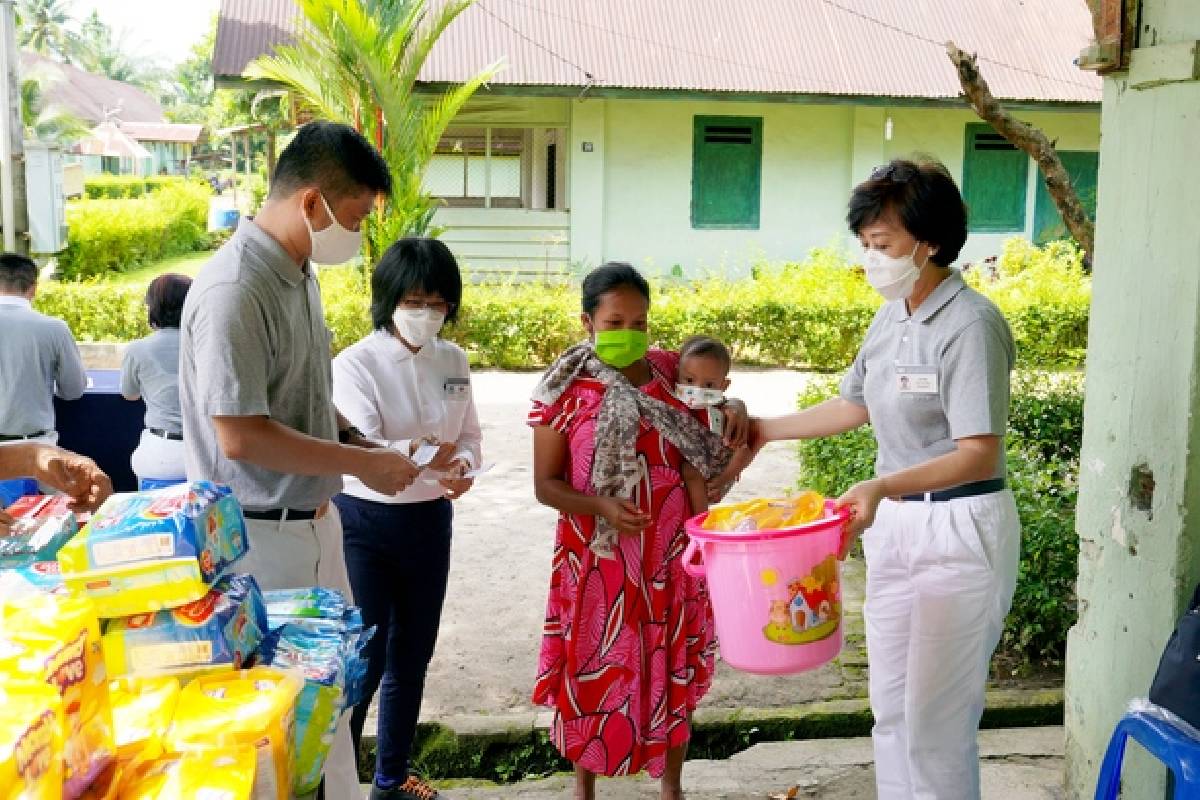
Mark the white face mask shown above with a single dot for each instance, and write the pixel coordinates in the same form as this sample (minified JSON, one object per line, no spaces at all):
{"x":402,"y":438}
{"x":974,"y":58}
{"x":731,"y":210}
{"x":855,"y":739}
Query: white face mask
{"x":335,"y":244}
{"x":893,"y":278}
{"x":418,"y":326}
{"x":698,"y":396}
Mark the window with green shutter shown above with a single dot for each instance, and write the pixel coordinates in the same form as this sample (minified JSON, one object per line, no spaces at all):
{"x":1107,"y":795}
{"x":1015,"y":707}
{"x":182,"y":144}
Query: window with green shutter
{"x":994,"y":180}
{"x":726,"y":172}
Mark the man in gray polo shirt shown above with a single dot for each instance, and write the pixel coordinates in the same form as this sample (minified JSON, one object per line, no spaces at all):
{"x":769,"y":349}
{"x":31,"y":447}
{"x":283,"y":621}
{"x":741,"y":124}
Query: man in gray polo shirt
{"x":255,"y":381}
{"x":38,"y":358}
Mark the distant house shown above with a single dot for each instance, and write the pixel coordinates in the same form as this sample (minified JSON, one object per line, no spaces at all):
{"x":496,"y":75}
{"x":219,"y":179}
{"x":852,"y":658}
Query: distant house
{"x":713,"y":134}
{"x":131,"y":135}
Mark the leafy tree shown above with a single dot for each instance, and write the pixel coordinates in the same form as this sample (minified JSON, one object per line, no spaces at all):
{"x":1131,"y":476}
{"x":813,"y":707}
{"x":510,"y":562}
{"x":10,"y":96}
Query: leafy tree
{"x":357,"y":62}
{"x":193,"y":90}
{"x":44,"y":120}
{"x":45,"y":27}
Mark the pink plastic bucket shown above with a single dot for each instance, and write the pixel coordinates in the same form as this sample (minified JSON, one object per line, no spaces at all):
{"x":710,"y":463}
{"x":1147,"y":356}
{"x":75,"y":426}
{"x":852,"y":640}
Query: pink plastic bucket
{"x":776,"y":595}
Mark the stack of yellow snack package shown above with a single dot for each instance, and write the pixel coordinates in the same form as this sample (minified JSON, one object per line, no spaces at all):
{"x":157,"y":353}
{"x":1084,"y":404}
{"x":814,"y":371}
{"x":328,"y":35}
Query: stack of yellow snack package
{"x":766,"y":514}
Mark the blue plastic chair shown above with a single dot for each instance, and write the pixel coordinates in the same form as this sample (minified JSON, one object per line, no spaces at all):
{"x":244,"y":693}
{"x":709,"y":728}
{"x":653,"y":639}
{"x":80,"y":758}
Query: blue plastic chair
{"x":1170,"y":745}
{"x":15,"y":488}
{"x":149,"y":484}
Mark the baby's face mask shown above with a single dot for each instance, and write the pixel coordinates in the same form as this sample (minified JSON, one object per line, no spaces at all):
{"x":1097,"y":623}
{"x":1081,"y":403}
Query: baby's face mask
{"x":698,"y":396}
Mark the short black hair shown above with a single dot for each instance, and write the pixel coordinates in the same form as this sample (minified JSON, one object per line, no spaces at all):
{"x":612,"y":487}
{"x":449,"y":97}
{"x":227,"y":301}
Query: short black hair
{"x":164,"y":299}
{"x":609,"y":276}
{"x":426,"y":265}
{"x":335,"y":158}
{"x":706,"y":347}
{"x":924,"y":199}
{"x":18,"y":273}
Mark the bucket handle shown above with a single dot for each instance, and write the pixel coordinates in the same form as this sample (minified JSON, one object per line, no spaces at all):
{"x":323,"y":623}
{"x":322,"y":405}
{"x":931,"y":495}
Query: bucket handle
{"x":690,"y":565}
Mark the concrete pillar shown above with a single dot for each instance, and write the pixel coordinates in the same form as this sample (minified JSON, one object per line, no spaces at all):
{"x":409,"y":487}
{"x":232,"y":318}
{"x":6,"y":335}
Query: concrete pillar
{"x":536,"y":159}
{"x":1140,"y":472}
{"x":588,"y":124}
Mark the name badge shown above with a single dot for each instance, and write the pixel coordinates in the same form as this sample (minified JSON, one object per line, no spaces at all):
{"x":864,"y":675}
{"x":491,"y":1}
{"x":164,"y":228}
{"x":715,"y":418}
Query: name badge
{"x":916,"y":379}
{"x":456,"y":388}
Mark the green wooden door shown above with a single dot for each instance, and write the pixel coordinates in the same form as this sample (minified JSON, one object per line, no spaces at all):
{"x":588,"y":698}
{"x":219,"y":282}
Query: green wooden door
{"x":994,"y":181}
{"x":726,"y":172}
{"x":1082,"y":166}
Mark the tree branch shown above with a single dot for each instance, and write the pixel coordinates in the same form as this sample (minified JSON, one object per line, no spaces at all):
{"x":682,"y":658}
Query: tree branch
{"x":1029,"y":139}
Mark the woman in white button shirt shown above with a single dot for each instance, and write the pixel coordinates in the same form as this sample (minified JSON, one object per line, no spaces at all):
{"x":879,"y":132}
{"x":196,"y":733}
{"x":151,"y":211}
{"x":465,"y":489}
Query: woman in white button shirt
{"x":403,"y":386}
{"x":942,"y":535}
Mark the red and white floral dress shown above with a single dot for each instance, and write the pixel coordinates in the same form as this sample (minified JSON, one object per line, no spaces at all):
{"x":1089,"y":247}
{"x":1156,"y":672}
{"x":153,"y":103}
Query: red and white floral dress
{"x":628,"y":646}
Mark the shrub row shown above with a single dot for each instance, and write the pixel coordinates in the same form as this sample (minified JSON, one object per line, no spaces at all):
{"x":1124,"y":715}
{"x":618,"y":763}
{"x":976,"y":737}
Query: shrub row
{"x":124,"y":187}
{"x":811,"y":315}
{"x":1045,"y":435}
{"x":115,"y":235}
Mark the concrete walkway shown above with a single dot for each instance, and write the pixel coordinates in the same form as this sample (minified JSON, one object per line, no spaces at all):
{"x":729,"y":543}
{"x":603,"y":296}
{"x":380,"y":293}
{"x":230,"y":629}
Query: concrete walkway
{"x":487,"y":650}
{"x":1016,"y":764}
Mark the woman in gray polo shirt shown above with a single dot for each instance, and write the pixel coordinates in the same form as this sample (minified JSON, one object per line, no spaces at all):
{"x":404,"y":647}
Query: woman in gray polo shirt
{"x":150,"y":371}
{"x":940,"y":530}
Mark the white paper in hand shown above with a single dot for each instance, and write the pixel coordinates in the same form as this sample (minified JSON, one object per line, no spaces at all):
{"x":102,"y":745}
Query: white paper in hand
{"x":425,"y":455}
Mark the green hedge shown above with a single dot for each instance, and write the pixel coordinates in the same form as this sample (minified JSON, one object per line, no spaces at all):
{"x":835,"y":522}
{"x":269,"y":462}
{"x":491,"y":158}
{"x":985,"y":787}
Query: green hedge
{"x":811,"y":315}
{"x":124,"y":187}
{"x":1045,"y":435}
{"x":114,"y":235}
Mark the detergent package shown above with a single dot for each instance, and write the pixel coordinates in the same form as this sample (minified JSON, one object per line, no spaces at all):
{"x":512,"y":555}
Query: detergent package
{"x":146,"y":551}
{"x":44,"y":523}
{"x":40,"y":576}
{"x":253,"y":707}
{"x":142,"y":710}
{"x":56,"y":641}
{"x":328,"y":652}
{"x":766,"y":514}
{"x":31,"y":766}
{"x":313,"y":602}
{"x":222,"y":773}
{"x":224,"y":627}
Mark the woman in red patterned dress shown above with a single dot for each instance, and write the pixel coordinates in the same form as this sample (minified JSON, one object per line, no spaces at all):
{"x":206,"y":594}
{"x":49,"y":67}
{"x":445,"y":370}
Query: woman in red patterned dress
{"x":628,"y":648}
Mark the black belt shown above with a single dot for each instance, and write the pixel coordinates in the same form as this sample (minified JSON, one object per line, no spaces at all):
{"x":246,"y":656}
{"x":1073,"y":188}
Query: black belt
{"x":174,"y":437}
{"x":965,"y":490}
{"x":18,"y":437}
{"x":285,"y":514}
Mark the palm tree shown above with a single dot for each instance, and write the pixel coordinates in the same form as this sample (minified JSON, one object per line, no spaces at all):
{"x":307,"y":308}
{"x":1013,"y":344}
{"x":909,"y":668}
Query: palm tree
{"x":44,"y":27}
{"x":44,"y":120}
{"x":357,"y":62}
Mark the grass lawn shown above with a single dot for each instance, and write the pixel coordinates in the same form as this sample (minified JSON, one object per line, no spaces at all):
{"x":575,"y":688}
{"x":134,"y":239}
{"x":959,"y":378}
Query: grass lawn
{"x":188,"y":264}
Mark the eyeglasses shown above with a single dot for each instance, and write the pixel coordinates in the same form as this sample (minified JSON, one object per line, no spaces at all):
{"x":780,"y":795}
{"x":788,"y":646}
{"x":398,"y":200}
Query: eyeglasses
{"x":440,"y":306}
{"x":895,"y":171}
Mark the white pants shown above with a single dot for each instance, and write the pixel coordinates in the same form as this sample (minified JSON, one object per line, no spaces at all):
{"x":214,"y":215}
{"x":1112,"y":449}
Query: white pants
{"x":286,"y":555}
{"x":158,"y":458}
{"x":940,"y":580}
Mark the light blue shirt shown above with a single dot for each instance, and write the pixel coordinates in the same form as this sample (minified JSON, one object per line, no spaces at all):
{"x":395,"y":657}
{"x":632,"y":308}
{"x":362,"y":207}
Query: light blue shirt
{"x":38,"y":359}
{"x":150,"y":370}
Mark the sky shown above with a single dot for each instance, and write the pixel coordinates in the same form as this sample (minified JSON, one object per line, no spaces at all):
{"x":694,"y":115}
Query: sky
{"x":161,"y":30}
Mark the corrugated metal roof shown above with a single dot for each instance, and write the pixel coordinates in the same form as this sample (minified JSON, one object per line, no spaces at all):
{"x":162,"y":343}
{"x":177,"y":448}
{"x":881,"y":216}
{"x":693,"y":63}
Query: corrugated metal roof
{"x":106,"y":139}
{"x":887,"y":48}
{"x":162,"y":131}
{"x":87,"y":96}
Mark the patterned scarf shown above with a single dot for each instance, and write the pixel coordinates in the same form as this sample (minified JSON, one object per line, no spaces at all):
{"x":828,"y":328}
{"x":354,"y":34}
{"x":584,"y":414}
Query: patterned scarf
{"x":616,"y":470}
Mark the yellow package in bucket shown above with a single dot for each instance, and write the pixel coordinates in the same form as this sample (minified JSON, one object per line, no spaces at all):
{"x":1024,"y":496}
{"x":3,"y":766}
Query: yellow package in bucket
{"x":31,"y":766}
{"x":223,"y":772}
{"x":767,"y":514}
{"x":55,"y":640}
{"x":142,"y":710}
{"x":253,"y":707}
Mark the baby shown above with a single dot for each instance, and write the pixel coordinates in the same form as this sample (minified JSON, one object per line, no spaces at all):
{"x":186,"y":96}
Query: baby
{"x":704,"y":365}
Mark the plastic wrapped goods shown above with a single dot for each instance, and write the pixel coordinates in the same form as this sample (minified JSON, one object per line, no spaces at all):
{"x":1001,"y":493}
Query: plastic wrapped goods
{"x":226,"y":773}
{"x":146,"y":551}
{"x":766,"y":514}
{"x":44,"y":523}
{"x":254,"y":707}
{"x":31,"y":758}
{"x":225,"y":627}
{"x":55,"y":640}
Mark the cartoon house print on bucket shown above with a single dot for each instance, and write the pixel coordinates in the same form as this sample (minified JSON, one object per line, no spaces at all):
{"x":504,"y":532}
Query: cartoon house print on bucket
{"x":809,"y":609}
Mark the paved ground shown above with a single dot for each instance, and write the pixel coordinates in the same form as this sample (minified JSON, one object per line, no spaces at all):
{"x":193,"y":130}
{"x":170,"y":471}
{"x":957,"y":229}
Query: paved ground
{"x":1016,"y":764}
{"x":487,"y":651}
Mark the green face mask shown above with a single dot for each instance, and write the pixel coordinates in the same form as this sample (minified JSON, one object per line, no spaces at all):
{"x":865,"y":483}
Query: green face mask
{"x":621,"y":348}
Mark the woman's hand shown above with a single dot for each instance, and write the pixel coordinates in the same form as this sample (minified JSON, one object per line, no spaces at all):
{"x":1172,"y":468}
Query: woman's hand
{"x":624,"y":515}
{"x":863,"y":501}
{"x":737,"y":422}
{"x":74,"y":475}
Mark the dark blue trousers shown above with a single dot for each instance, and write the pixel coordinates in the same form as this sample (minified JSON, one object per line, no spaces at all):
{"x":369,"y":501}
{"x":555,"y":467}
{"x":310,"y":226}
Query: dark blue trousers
{"x":398,"y":557}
